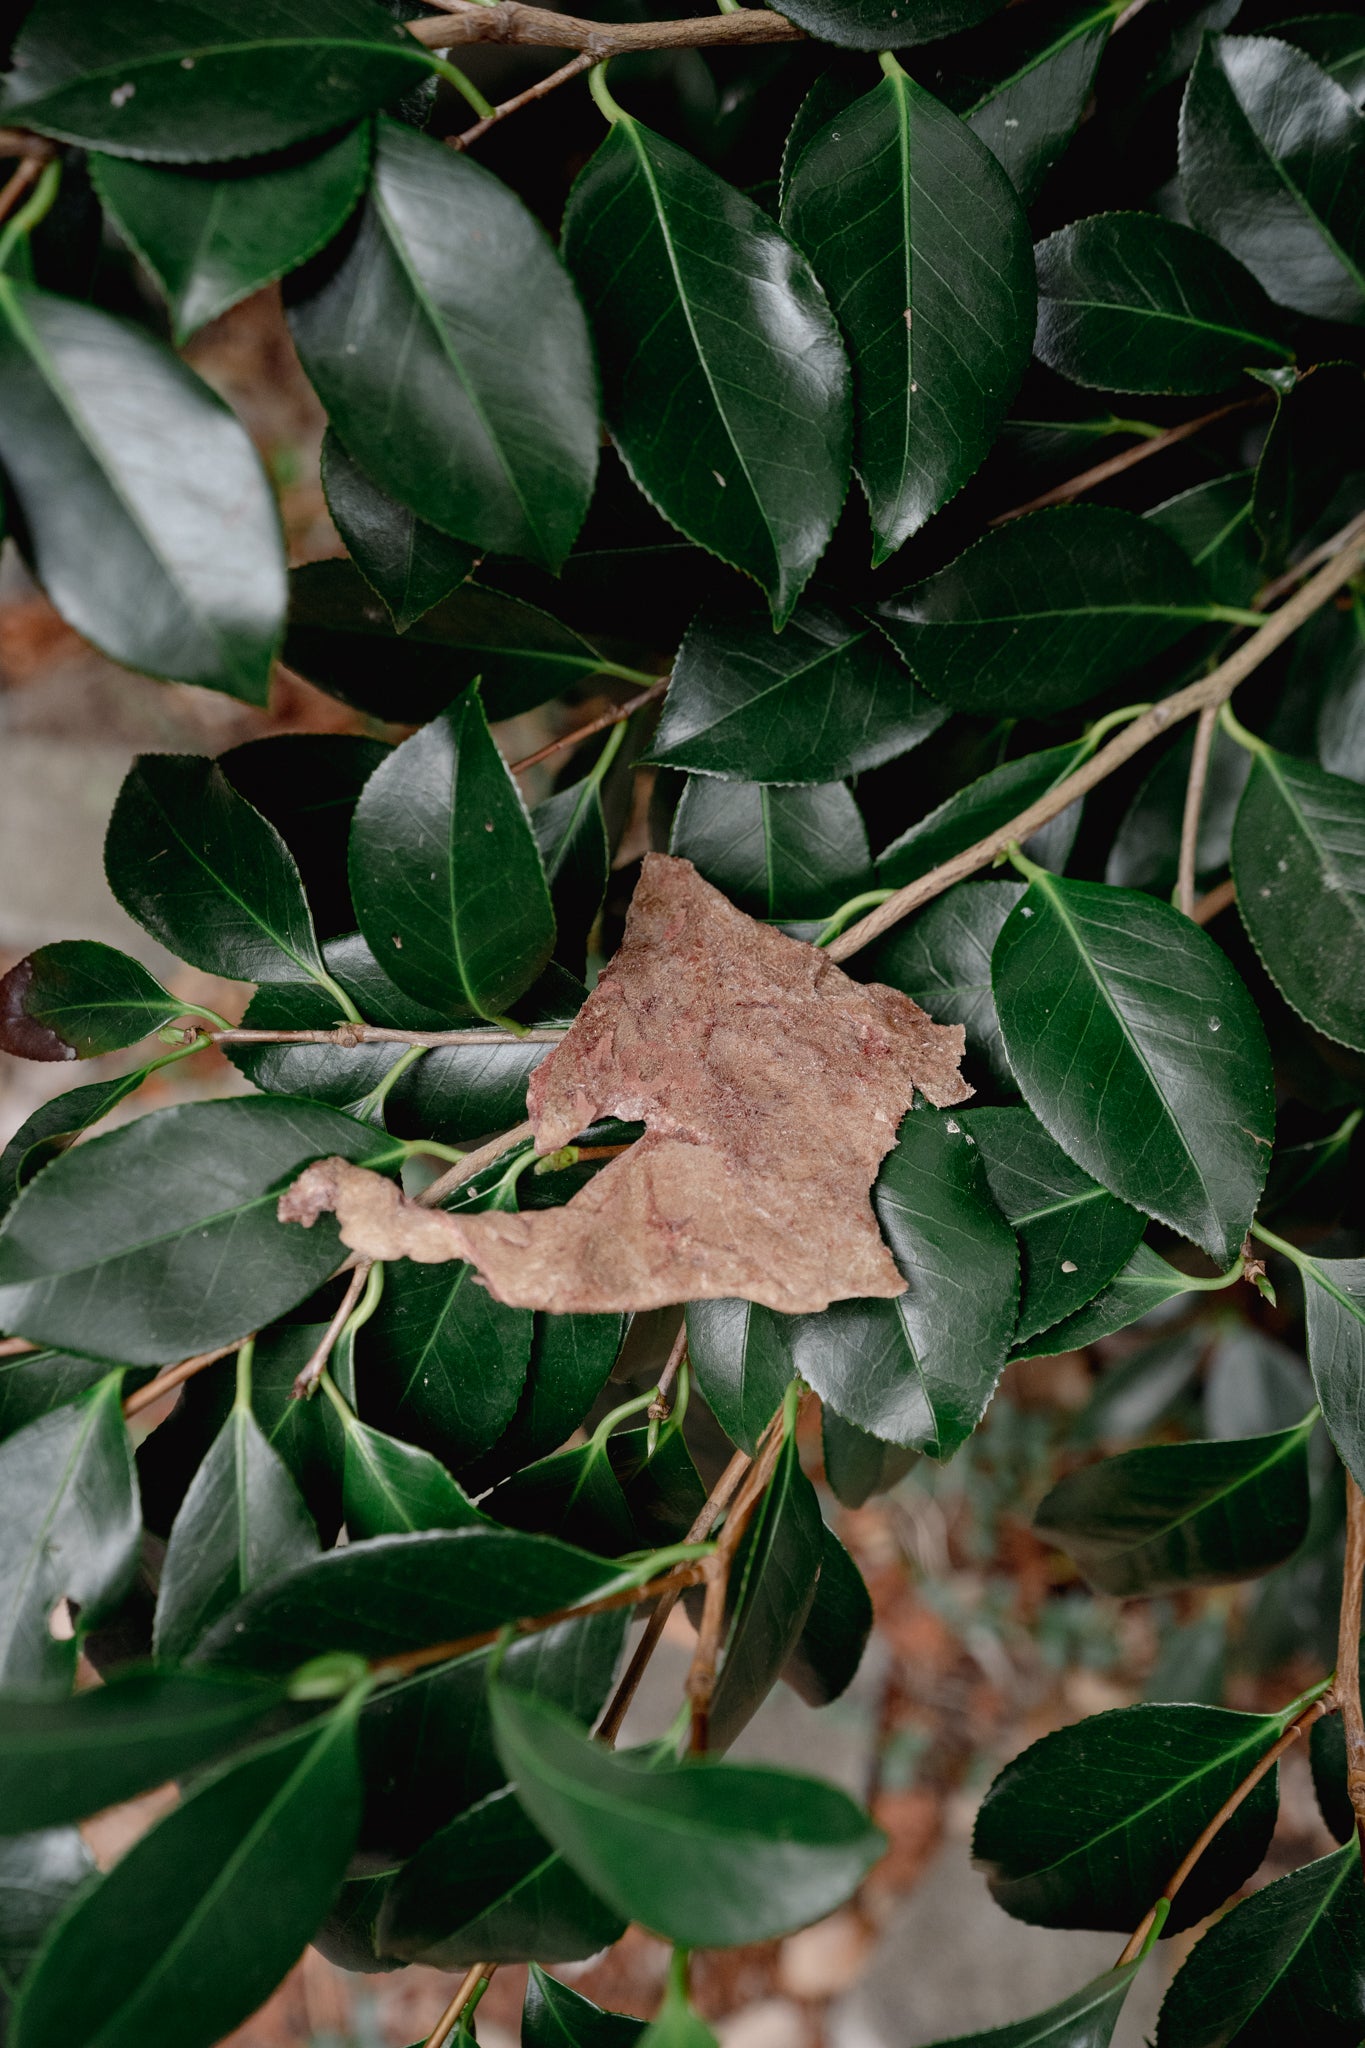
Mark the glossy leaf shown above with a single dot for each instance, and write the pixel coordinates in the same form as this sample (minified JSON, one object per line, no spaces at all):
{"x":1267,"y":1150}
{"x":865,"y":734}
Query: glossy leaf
{"x":489,"y":1888}
{"x":875,"y":25}
{"x":170,"y":81}
{"x":307,"y":786}
{"x":1334,"y":1297}
{"x":1039,"y":77}
{"x":573,"y":1494}
{"x":1298,"y":856}
{"x":340,"y":637}
{"x":77,"y":999}
{"x":452,"y":357}
{"x":1132,"y":302}
{"x":1253,"y":1385}
{"x":858,"y":1465}
{"x":821,"y":700}
{"x":1044,"y":611}
{"x":200,"y":1919}
{"x":1341,"y":713}
{"x":830,"y":1647}
{"x":71,"y":1530}
{"x":1073,"y":1236}
{"x":1316,"y":434}
{"x":127,"y":1246}
{"x":1272,"y":153}
{"x":771,"y":1591}
{"x":63,"y":1759}
{"x":982,"y":807}
{"x":1085,"y":1827}
{"x":1288,"y":1963}
{"x":391,"y":1488}
{"x":38,"y":1875}
{"x":724,"y":380}
{"x":445,"y":872}
{"x":1172,"y":1515}
{"x":206,"y":874}
{"x":33,"y":1383}
{"x":557,"y":2017}
{"x":1146,"y":1283}
{"x":399,"y":1592}
{"x":243,"y":1521}
{"x":1137,"y":1047}
{"x":776,"y":852}
{"x":918,"y":1370}
{"x":211,"y":239}
{"x":1085,"y":2020}
{"x":1145,"y":853}
{"x":571,"y":832}
{"x":55,"y":1125}
{"x":942,"y":958}
{"x":706,"y":1853}
{"x":739,"y":1353}
{"x":918,"y":237}
{"x":171,"y":567}
{"x":1212,"y":522}
{"x":409,"y":564}
{"x":571,"y":1358}
{"x":1335,"y":42}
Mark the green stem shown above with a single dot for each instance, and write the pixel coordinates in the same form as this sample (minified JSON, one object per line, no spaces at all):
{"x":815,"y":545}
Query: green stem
{"x":890,"y":65}
{"x":33,"y":212}
{"x":1234,"y":615}
{"x":639,"y":676}
{"x":1159,"y":1912}
{"x":432,"y":1148}
{"x":869,"y":900}
{"x":1235,"y":730}
{"x":465,"y":87}
{"x":371,"y":1105}
{"x":209,"y":1016}
{"x":606,"y":105}
{"x":368,"y":1302}
{"x":245,"y":1357}
{"x":615,"y":741}
{"x":1102,"y":727}
{"x":1029,"y":869}
{"x":339,"y":996}
{"x":1280,"y":1244}
{"x":503,"y":1194}
{"x":621,"y":1414}
{"x":1219,"y":1280}
{"x":338,"y":1400}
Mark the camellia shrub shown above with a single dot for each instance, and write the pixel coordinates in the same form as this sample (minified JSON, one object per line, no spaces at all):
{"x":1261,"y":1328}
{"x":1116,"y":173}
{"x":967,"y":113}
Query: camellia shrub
{"x":947,"y":466}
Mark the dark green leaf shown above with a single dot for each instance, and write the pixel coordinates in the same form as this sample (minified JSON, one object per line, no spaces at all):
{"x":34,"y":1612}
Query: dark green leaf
{"x":1073,"y":1235}
{"x":918,"y":237}
{"x":170,"y":565}
{"x":206,"y":874}
{"x":1327,"y":1754}
{"x":1334,"y":1294}
{"x":1085,"y":1827}
{"x":942,"y":959}
{"x":822,"y":699}
{"x":731,"y":411}
{"x":1252,"y":1384}
{"x":1146,"y":849}
{"x":200,"y":1919}
{"x":1287,"y":1964}
{"x":71,"y":1530}
{"x":391,"y":1488}
{"x":770,"y":1593}
{"x":445,"y":872}
{"x":130,"y":1246}
{"x":1212,"y":522}
{"x":1272,"y":158}
{"x":1318,"y":432}
{"x":981,"y":808}
{"x":347,"y":1935}
{"x":1043,"y":612}
{"x":740,"y":1355}
{"x":340,"y":637}
{"x":1341,"y":713}
{"x":776,"y":852}
{"x":1174,"y":1515}
{"x":1335,"y":42}
{"x":1298,"y":858}
{"x":830,"y":1647}
{"x":1040,"y":74}
{"x":919,"y":1370}
{"x":1140,"y":1392}
{"x":168,"y":80}
{"x":77,"y":999}
{"x":56,"y":1124}
{"x":427,"y":1742}
{"x":571,"y":1358}
{"x":307,"y":786}
{"x":342,"y":1076}
{"x":571,"y":832}
{"x":36,"y":1382}
{"x":397,"y":1593}
{"x":409,"y":564}
{"x":1147,"y":1282}
{"x":489,"y":1888}
{"x":1085,"y":2020}
{"x":556,"y":2017}
{"x":212,"y":239}
{"x":573,"y":1494}
{"x":452,"y":357}
{"x":1136,"y":1045}
{"x":1132,"y":302}
{"x":875,"y":25}
{"x":63,"y":1759}
{"x":705,"y":1853}
{"x":858,"y":1465}
{"x":38,"y":1874}
{"x":242,"y":1521}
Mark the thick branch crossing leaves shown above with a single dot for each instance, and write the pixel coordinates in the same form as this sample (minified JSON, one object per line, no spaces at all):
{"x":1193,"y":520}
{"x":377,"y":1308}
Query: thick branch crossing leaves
{"x":917,"y":235}
{"x":725,"y":382}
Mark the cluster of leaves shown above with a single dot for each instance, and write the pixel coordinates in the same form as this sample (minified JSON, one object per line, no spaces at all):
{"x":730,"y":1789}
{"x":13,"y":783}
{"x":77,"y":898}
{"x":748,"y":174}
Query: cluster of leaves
{"x":365,"y":1760}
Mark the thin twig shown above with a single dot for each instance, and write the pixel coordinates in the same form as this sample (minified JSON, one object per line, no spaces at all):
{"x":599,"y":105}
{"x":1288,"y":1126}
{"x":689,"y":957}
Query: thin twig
{"x":719,"y":1498}
{"x":1291,"y":578}
{"x":573,"y":69}
{"x":1348,"y":1652}
{"x":1211,"y":689}
{"x":479,"y":1973}
{"x":306,"y":1380}
{"x":174,"y":1376}
{"x":507,"y":21}
{"x":661,"y":1406}
{"x":20,"y":142}
{"x":1115,"y":465}
{"x":1215,"y":903}
{"x":1295,"y":1732}
{"x":16,"y":1347}
{"x":405,"y":1662}
{"x":349,"y":1036}
{"x":613,"y":717}
{"x":1194,"y":803}
{"x":472,"y":1163}
{"x":16,"y":186}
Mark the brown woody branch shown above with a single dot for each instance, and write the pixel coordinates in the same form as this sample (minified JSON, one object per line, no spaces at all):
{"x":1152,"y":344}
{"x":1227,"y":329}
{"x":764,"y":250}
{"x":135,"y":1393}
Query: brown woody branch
{"x":349,"y":1036}
{"x":575,"y":67}
{"x":478,"y":1975}
{"x":1347,"y":1685}
{"x":508,"y":21}
{"x":1128,"y":458}
{"x":175,"y":1376}
{"x":620,"y":712}
{"x":1204,"y":735}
